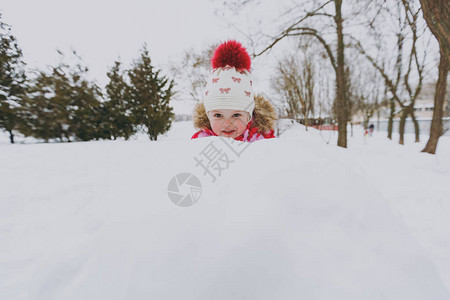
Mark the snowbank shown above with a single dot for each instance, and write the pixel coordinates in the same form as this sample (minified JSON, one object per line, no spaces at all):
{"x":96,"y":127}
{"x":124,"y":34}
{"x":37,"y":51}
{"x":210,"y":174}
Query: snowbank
{"x":290,"y":218}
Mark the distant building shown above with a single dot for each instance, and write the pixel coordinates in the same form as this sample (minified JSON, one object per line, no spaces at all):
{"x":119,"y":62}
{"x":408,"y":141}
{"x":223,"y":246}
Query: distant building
{"x":424,"y":105}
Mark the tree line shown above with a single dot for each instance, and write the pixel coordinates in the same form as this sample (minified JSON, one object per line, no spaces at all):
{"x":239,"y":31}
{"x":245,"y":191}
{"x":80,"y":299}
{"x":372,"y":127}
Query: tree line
{"x":348,"y":57}
{"x":61,"y":104}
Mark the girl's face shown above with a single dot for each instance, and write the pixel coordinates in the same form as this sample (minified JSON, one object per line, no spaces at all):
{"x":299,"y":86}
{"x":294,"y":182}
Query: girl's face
{"x":228,"y":122}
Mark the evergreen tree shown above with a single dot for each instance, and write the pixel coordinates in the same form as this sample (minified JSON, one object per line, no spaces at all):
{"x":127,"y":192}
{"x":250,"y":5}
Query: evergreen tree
{"x":43,"y":114}
{"x":117,"y":121}
{"x":12,"y":80}
{"x":84,"y":104}
{"x":150,"y":93}
{"x":63,"y":104}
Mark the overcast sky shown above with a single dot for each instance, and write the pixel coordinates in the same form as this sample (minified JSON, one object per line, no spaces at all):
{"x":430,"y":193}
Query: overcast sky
{"x":101,"y":30}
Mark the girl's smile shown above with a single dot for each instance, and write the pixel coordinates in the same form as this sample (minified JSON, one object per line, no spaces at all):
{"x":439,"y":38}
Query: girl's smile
{"x":228,"y":122}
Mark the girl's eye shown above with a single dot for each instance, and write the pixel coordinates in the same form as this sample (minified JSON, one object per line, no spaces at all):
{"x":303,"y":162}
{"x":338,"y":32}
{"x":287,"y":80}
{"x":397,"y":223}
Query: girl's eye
{"x":217,"y":115}
{"x":236,"y":115}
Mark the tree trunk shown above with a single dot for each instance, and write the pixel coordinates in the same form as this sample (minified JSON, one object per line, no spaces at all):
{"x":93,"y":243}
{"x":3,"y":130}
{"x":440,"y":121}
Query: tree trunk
{"x":11,"y":136}
{"x":391,"y":119}
{"x":378,"y":120}
{"x":305,"y":118}
{"x":341,"y":107}
{"x":436,"y":129}
{"x":416,"y":126}
{"x":436,"y":14}
{"x":401,"y":126}
{"x":366,"y":123}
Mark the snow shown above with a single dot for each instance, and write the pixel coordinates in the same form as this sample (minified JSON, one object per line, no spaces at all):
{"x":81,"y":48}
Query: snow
{"x":291,"y":218}
{"x":183,"y":106}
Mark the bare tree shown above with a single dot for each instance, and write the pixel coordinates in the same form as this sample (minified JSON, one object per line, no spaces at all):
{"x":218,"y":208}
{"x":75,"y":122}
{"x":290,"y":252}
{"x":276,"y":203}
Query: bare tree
{"x":296,"y":82}
{"x":325,"y":89}
{"x":193,"y":70}
{"x":404,"y":89}
{"x":366,"y":91}
{"x":436,"y":14}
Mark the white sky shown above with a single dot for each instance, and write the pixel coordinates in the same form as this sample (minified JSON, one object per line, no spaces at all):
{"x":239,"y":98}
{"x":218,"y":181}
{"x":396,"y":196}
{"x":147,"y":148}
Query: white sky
{"x":102,"y":30}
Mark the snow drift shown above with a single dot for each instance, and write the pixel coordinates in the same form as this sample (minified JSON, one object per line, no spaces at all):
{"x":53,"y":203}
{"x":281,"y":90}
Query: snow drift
{"x":289,"y":218}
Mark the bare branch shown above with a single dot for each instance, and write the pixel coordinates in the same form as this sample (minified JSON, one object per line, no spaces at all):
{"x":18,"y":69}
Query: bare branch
{"x":377,"y":14}
{"x":388,"y":81}
{"x":324,"y":14}
{"x":288,"y":30}
{"x":313,"y":32}
{"x":406,"y":77}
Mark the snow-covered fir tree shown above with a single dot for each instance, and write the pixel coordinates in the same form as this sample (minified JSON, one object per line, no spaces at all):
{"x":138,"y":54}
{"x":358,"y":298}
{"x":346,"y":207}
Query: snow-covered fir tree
{"x":12,"y":80}
{"x":150,"y":93}
{"x":117,"y":110}
{"x":63,"y":104}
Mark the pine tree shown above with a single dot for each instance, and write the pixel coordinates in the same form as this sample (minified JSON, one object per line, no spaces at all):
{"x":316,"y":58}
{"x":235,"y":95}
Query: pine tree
{"x":63,"y":104}
{"x":84,"y":104}
{"x":43,"y":115}
{"x":117,"y":121}
{"x":12,"y":80}
{"x":150,"y":93}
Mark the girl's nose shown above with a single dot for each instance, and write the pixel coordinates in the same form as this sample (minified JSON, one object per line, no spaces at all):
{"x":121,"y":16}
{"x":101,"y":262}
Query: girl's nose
{"x":228,"y":122}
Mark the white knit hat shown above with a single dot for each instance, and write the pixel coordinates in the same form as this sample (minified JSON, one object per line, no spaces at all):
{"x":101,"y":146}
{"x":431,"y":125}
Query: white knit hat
{"x":230,"y":84}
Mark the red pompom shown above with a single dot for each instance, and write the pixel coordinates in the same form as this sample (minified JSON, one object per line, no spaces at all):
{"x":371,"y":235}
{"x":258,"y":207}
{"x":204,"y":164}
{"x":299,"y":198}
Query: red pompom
{"x":231,"y":53}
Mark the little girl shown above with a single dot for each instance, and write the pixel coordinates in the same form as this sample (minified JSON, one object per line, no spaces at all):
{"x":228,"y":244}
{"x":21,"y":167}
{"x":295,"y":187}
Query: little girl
{"x":230,"y":108}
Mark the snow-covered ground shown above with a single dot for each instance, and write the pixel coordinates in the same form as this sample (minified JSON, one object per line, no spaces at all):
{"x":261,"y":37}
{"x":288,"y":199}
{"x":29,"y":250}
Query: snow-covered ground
{"x":288,"y":218}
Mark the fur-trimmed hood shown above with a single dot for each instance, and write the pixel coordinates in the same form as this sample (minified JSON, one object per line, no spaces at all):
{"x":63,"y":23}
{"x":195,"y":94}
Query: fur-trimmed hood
{"x":264,"y":116}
